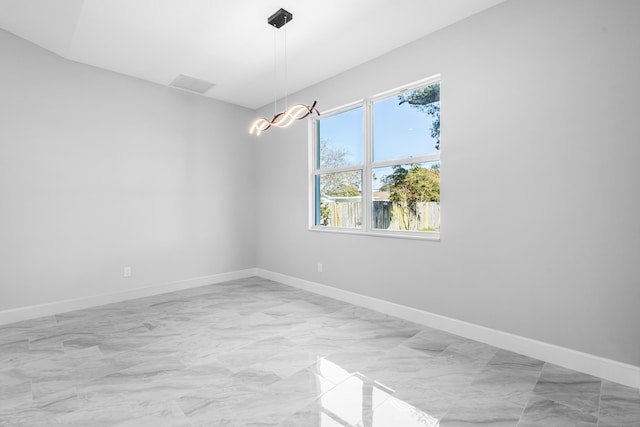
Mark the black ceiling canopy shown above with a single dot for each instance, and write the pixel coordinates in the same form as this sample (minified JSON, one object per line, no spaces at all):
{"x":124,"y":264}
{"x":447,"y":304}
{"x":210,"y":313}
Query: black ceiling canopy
{"x":280,"y":18}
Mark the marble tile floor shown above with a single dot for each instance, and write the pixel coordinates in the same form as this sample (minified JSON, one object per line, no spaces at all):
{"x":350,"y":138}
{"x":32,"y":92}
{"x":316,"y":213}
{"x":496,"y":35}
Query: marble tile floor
{"x":253,"y":352}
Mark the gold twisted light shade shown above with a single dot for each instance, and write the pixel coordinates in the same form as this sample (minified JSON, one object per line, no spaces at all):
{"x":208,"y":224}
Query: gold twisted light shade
{"x":284,"y":118}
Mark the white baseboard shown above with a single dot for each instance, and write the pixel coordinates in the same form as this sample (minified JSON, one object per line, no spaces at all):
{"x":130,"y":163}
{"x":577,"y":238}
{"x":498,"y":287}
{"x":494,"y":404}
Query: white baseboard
{"x":57,"y":307}
{"x":594,"y":365}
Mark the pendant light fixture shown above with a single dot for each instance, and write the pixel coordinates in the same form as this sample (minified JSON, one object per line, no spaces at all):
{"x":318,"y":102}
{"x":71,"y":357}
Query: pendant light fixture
{"x":289,"y":114}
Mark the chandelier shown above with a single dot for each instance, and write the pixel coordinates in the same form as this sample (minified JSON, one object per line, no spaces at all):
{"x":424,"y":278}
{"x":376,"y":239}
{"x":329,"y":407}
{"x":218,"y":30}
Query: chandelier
{"x":289,"y":114}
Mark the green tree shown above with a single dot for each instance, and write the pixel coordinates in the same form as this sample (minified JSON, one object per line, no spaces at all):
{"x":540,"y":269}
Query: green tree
{"x":427,"y":100}
{"x":410,"y":186}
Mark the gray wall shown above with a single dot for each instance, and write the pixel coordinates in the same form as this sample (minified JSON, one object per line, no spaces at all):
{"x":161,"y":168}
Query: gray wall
{"x":99,"y":171}
{"x":539,"y":107}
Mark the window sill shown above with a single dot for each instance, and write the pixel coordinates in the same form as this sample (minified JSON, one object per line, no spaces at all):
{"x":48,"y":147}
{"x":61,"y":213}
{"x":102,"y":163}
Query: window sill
{"x":410,"y":235}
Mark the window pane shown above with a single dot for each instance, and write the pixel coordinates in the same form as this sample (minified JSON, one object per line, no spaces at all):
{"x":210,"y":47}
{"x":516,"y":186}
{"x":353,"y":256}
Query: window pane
{"x":407,"y":125}
{"x":340,"y":140}
{"x":406,"y":197}
{"x":339,"y":199}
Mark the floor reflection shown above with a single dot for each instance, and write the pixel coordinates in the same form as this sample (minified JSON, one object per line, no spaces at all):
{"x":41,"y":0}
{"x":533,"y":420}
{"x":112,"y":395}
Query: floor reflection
{"x":352,"y":399}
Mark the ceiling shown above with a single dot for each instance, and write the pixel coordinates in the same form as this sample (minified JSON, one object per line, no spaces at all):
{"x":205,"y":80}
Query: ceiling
{"x":229,"y":43}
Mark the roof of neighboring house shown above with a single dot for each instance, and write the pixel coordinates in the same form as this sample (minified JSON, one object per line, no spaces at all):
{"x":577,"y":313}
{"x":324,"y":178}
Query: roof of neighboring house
{"x":381,"y":196}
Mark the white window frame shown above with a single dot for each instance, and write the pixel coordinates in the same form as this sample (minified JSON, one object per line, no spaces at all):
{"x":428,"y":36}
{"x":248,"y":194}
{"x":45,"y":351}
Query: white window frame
{"x":367,"y":166}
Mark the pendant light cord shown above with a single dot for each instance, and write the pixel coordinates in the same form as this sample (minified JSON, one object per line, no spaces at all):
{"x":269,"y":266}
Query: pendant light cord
{"x":286,"y":100}
{"x":275,"y":73}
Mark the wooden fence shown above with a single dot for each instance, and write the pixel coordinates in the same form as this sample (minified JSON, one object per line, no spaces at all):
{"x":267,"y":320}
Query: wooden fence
{"x":385,"y":215}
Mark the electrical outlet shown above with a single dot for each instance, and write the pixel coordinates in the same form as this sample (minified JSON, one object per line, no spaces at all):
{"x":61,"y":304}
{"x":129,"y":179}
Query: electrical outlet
{"x":319,"y":267}
{"x":127,"y":271}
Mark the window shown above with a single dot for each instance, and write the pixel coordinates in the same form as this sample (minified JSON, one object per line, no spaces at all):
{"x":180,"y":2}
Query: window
{"x":376,"y":164}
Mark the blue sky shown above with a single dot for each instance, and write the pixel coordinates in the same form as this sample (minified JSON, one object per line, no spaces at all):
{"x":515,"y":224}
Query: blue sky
{"x":399,"y":131}
{"x":344,"y":131}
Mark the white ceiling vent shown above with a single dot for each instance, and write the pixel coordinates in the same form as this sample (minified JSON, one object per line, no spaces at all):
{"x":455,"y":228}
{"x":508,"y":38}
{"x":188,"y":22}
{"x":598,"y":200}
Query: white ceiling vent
{"x":191,"y":84}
